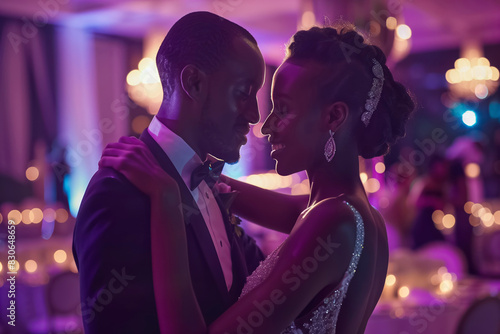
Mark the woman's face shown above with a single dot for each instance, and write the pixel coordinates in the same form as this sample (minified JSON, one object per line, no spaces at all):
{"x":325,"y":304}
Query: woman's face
{"x":294,"y":126}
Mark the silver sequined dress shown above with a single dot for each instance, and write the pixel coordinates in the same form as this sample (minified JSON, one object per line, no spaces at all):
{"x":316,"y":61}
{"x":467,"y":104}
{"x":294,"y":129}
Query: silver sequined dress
{"x":323,"y":318}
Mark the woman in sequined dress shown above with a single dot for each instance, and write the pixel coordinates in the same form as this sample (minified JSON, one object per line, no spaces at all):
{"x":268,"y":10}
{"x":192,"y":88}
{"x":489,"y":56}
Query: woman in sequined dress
{"x":334,"y":99}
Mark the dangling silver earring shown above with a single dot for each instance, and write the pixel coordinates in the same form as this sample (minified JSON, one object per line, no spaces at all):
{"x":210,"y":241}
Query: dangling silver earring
{"x":330,"y":147}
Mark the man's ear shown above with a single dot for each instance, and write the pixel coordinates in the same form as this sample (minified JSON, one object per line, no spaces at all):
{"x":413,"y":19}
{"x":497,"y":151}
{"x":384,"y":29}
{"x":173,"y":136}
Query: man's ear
{"x":335,"y":114}
{"x":193,"y":82}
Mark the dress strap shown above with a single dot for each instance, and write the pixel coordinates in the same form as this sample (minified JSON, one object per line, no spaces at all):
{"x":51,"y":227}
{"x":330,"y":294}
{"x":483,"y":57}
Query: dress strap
{"x":358,"y":246}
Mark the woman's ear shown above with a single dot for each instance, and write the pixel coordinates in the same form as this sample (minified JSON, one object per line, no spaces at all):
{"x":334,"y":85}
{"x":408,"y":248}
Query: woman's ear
{"x":193,"y":82}
{"x":335,"y":114}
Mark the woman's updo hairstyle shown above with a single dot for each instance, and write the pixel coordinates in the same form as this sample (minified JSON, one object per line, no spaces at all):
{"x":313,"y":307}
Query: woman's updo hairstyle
{"x":350,"y":59}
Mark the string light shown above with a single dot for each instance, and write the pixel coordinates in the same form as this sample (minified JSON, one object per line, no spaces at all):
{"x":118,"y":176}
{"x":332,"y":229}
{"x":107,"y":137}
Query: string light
{"x":26,"y":217}
{"x":15,"y":215}
{"x":36,"y":215}
{"x":61,"y":215}
{"x":49,"y":215}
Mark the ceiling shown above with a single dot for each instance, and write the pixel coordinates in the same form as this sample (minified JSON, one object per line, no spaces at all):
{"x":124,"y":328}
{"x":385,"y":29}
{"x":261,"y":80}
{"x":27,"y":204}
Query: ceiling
{"x":435,"y":24}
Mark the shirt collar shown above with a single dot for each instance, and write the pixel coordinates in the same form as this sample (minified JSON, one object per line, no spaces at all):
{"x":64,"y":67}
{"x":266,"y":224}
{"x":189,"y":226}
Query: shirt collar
{"x":183,"y":157}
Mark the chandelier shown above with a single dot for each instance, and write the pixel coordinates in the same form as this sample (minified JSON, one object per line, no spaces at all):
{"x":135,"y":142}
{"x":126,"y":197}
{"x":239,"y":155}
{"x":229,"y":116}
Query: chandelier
{"x":144,"y":86}
{"x":472,"y":78}
{"x":143,"y":83}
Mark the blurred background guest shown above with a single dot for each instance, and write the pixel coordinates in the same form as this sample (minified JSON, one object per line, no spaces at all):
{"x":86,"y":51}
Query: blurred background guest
{"x":429,"y":193}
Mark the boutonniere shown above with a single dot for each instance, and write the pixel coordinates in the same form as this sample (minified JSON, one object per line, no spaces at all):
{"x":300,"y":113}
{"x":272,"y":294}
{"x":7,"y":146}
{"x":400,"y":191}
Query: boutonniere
{"x":235,"y":221}
{"x":227,"y":197}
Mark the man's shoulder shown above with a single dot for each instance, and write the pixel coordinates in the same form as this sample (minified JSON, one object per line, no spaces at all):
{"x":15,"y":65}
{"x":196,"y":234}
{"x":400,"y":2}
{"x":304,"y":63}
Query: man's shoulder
{"x":108,"y":179}
{"x":108,"y":184}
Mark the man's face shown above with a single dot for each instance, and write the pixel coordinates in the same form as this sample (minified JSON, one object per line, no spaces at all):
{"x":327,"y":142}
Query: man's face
{"x":232,"y":102}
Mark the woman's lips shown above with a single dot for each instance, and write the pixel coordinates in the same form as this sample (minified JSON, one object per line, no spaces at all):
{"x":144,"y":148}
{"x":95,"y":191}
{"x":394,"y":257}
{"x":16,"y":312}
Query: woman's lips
{"x":276,"y":149}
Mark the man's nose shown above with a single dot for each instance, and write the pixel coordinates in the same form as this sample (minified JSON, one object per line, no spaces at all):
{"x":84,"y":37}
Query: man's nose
{"x":252,"y":113}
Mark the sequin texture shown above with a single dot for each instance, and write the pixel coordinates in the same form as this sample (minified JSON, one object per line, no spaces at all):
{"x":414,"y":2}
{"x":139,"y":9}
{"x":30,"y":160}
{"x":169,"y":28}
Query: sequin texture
{"x":323,"y":319}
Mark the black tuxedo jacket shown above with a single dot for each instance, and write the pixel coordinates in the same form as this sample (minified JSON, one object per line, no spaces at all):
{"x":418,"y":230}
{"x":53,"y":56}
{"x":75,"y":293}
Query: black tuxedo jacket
{"x":112,"y":249}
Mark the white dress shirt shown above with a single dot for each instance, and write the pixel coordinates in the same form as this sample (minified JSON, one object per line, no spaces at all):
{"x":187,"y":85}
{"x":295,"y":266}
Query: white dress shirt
{"x":185,"y":161}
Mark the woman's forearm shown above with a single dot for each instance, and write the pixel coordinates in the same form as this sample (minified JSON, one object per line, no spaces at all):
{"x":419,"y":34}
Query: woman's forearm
{"x":265,"y":207}
{"x":177,"y":308}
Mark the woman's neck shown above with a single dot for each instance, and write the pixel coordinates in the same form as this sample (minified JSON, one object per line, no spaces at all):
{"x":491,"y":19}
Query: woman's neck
{"x":330,"y":180}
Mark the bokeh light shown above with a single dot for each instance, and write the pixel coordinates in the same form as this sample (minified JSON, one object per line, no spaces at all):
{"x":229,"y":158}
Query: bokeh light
{"x":14,"y":268}
{"x":49,"y":215}
{"x":375,"y":28}
{"x":30,"y":266}
{"x":140,"y":123}
{"x":363,"y":176}
{"x":437,"y":216}
{"x":472,"y":170}
{"x":404,"y":292}
{"x":391,"y":23}
{"x":61,"y":215}
{"x":26,"y":216}
{"x":308,"y":19}
{"x":390,"y":280}
{"x":496,"y":216}
{"x":384,"y":202}
{"x":475,"y":209}
{"x":372,"y":185}
{"x":403,"y":31}
{"x":15,"y":215}
{"x":448,"y":221}
{"x":380,"y":167}
{"x":481,"y":91}
{"x":446,"y":286}
{"x":32,"y":173}
{"x":36,"y":215}
{"x":468,"y":207}
{"x":60,"y":256}
{"x":469,"y":118}
{"x":134,"y":77}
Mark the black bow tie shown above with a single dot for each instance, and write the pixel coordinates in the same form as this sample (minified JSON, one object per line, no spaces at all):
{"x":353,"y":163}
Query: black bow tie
{"x":210,"y":172}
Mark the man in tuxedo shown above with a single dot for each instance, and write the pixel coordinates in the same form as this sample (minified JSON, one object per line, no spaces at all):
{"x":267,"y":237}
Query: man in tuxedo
{"x":211,"y":70}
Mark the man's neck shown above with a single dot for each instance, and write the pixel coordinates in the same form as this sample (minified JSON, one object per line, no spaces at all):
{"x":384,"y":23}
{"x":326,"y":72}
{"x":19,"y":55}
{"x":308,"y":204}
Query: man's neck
{"x":185,"y":131}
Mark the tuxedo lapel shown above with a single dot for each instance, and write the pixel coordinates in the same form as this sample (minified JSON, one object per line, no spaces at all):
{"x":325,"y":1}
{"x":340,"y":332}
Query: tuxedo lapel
{"x":192,"y":216}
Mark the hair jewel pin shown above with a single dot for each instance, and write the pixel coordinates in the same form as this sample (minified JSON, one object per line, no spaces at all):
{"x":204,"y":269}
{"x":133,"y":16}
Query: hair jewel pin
{"x":374,"y":93}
